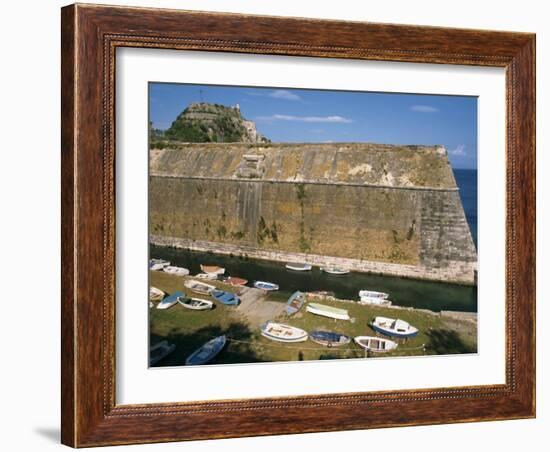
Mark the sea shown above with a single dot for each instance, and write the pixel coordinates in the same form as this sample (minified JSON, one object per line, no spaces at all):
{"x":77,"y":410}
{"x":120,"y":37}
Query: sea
{"x":435,"y":296}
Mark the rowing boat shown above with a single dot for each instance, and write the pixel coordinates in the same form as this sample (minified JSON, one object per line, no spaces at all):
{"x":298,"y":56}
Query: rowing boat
{"x":298,"y":266}
{"x":160,"y":351}
{"x":196,"y":304}
{"x":226,"y":298}
{"x":295,"y":302}
{"x":172,"y":269}
{"x":198,"y":287}
{"x":331,"y":270}
{"x":328,"y":311}
{"x":375,"y":344}
{"x":283,"y":333}
{"x":264,"y":285}
{"x":155,"y":294}
{"x":207,"y":352}
{"x":372,"y":294}
{"x":169,"y":301}
{"x":212,"y":269}
{"x":393,"y":327}
{"x":329,"y":338}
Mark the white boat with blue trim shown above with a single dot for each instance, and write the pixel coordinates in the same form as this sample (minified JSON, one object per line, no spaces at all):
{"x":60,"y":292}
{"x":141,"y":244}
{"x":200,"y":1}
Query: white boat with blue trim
{"x":393,"y":327}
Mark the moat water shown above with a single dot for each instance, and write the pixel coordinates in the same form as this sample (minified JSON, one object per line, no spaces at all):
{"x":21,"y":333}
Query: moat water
{"x":403,"y":292}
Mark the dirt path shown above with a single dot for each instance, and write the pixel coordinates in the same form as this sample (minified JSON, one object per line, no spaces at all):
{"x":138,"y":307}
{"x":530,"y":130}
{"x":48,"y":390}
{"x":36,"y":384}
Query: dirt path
{"x":256,"y":309}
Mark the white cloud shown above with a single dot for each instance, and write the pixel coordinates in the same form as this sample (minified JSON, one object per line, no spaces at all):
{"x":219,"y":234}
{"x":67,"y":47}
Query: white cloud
{"x":459,"y":150}
{"x":320,"y":119}
{"x":424,"y":109}
{"x":284,"y":94}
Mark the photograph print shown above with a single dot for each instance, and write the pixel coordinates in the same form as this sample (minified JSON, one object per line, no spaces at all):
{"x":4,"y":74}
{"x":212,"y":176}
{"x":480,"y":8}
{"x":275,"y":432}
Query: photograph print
{"x":299,"y":224}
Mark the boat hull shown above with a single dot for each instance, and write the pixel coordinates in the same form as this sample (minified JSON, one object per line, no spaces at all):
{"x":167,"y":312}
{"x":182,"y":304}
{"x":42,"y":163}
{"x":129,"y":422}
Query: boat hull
{"x":329,"y":339}
{"x":266,"y":286}
{"x":275,"y":332}
{"x":393,"y":333}
{"x":207,"y":352}
{"x":298,"y":267}
{"x":322,"y":311}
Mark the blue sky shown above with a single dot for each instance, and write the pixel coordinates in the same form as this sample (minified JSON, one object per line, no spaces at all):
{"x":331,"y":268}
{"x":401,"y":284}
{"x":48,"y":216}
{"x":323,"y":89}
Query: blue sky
{"x":298,"y":115}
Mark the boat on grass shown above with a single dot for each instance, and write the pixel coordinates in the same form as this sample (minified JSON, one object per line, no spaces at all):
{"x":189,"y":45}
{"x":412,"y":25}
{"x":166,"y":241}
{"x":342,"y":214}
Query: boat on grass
{"x":264,"y":285}
{"x":169,"y":301}
{"x":329,"y":338}
{"x":375,"y":344}
{"x":210,"y":276}
{"x":155,"y":294}
{"x":393,"y":327}
{"x":298,"y":266}
{"x":207,"y":352}
{"x":332,"y":270}
{"x":158,"y":264}
{"x":212,"y":269}
{"x":283,"y":333}
{"x":226,"y":298}
{"x":377,"y":301}
{"x":172,"y":269}
{"x":199,"y":287}
{"x":236,"y":281}
{"x":295,"y":302}
{"x":328,"y":311}
{"x":160,"y":351}
{"x":196,"y":304}
{"x":372,"y":294}
{"x":321,"y":294}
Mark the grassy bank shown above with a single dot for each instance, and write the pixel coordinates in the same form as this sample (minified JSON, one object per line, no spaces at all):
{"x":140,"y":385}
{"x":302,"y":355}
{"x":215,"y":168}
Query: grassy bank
{"x":188,"y":330}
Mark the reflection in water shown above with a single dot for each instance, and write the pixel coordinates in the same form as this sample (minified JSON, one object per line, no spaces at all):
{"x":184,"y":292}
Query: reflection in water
{"x":403,"y":292}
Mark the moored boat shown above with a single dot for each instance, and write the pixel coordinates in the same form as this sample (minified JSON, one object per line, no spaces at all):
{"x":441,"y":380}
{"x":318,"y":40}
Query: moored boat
{"x":328,"y":311}
{"x":295,"y":302}
{"x":375,"y":344}
{"x":393,"y":327}
{"x":160,"y":351}
{"x":198,"y":287}
{"x":329,"y":338}
{"x":378,"y":301}
{"x":298,"y":266}
{"x":169,"y":301}
{"x":210,"y":276}
{"x":321,"y":294}
{"x":226,"y":298}
{"x":155,"y":294}
{"x":196,"y":304}
{"x":207,"y":352}
{"x":264,"y":285}
{"x":212,"y":269}
{"x":372,"y":294}
{"x":158,"y":264}
{"x":236,"y":281}
{"x":172,"y":269}
{"x":283,"y":333}
{"x":333,"y":270}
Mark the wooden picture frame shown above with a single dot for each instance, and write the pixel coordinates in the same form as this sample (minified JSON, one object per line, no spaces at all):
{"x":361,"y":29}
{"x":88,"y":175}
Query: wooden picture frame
{"x":90,"y":36}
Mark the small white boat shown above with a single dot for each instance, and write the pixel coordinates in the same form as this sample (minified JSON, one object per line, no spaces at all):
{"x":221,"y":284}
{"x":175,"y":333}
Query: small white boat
{"x":375,"y":344}
{"x":298,"y":267}
{"x":210,"y":276}
{"x":169,"y":301}
{"x":198,"y":287}
{"x":264,"y":285}
{"x":158,"y":264}
{"x":172,"y":269}
{"x":283,"y":333}
{"x":213,"y":269}
{"x":393,"y":327}
{"x":377,"y":301}
{"x":328,"y":311}
{"x":155,"y":294}
{"x":160,"y":351}
{"x":207,"y":352}
{"x":372,"y":294}
{"x":196,"y":304}
{"x":331,"y":270}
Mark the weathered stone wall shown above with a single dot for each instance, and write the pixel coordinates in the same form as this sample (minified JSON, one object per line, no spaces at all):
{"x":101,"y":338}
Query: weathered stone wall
{"x":352,"y":204}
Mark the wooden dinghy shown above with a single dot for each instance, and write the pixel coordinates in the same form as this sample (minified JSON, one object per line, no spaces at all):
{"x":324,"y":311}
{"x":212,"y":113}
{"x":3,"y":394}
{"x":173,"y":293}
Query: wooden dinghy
{"x":199,"y":287}
{"x":329,"y":338}
{"x":159,"y":351}
{"x":169,"y":301}
{"x":332,"y":270}
{"x":283,"y":333}
{"x":158,"y":264}
{"x":212,"y":269}
{"x":375,"y":344}
{"x":328,"y":311}
{"x":155,"y":294}
{"x":173,"y":270}
{"x":372,"y":294}
{"x":264,"y":285}
{"x":393,"y":327}
{"x":295,"y":302}
{"x":207,"y":352}
{"x":196,"y":304}
{"x":298,"y":266}
{"x":236,"y":281}
{"x":227,"y":298}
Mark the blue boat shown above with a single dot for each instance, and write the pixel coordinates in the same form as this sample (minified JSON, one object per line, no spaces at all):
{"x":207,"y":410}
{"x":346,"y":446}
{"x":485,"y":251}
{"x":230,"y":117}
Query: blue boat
{"x":393,"y":327}
{"x":264,"y":285}
{"x":295,"y":302}
{"x":226,"y":298}
{"x":329,"y":338}
{"x":169,"y":301}
{"x":207,"y":352}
